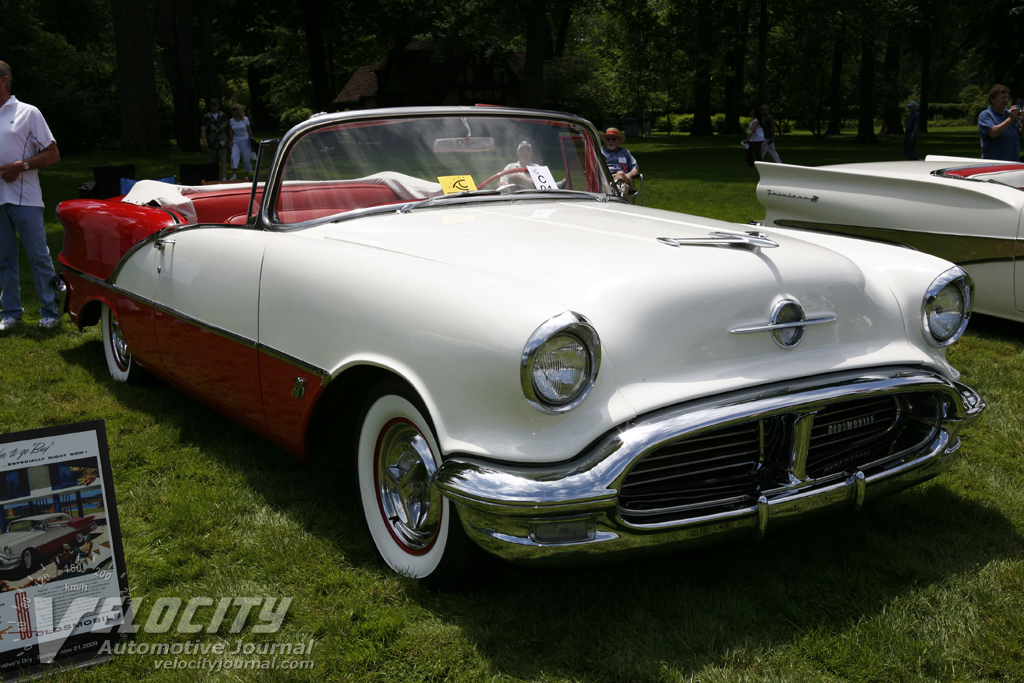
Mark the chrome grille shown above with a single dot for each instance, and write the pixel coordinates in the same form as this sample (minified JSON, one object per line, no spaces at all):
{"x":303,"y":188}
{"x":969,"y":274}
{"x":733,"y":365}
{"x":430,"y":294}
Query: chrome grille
{"x":712,"y":466}
{"x":730,"y":467}
{"x":850,"y":434}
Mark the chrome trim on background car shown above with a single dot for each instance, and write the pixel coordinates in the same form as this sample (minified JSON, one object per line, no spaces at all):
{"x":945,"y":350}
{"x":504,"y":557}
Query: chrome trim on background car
{"x":502,"y":506}
{"x":960,"y":249}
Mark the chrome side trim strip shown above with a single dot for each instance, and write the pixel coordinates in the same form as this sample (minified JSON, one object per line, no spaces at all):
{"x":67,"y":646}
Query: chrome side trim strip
{"x":960,"y":249}
{"x":768,"y":327}
{"x":325,"y":375}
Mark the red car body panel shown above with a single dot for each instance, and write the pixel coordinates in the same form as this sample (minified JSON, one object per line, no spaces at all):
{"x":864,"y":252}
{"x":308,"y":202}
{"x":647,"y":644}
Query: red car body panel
{"x":235,"y":378}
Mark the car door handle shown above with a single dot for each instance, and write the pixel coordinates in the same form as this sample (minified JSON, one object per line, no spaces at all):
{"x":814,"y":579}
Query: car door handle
{"x":161,"y":243}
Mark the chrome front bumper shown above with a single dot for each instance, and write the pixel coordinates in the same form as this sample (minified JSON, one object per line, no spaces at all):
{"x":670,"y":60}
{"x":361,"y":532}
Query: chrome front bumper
{"x":572,"y":511}
{"x":9,"y":562}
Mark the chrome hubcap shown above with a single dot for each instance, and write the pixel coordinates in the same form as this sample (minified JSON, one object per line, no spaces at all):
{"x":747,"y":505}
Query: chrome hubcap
{"x":410,"y":503}
{"x":118,"y":345}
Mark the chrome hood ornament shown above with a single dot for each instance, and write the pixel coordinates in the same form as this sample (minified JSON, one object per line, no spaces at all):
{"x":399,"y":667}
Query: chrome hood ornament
{"x":752,"y":239}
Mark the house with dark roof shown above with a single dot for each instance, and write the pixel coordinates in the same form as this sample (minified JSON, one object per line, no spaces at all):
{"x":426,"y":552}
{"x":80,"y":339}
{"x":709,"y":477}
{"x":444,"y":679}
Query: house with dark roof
{"x":416,"y":75}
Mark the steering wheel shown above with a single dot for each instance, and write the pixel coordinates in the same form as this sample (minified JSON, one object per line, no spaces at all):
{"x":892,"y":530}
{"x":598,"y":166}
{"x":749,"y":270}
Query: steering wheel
{"x":501,"y":174}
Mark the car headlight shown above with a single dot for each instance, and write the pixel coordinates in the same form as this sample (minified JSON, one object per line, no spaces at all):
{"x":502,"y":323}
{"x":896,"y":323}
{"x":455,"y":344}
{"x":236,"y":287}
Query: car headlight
{"x":947,"y":307}
{"x":7,"y":550}
{"x":560,"y":363}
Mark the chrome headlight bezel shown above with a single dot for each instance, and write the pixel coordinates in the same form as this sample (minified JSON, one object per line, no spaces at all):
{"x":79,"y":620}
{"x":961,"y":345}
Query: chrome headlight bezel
{"x":566,"y":324}
{"x":957,"y":278}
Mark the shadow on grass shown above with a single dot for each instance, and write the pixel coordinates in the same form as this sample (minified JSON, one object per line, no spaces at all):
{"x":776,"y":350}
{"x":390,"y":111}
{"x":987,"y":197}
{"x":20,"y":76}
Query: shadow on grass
{"x":692,"y":611}
{"x":997,"y":329}
{"x":633,"y":621}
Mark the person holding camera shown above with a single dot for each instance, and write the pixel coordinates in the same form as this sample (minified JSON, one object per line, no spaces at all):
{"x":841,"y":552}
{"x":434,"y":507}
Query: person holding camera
{"x":1000,"y":127}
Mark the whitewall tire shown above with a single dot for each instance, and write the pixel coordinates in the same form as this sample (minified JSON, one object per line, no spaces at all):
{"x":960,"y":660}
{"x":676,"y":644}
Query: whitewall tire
{"x":120,"y":364}
{"x":413,"y":527}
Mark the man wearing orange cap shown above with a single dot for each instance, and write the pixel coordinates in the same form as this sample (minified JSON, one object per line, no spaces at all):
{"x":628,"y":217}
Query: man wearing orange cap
{"x":620,"y":162}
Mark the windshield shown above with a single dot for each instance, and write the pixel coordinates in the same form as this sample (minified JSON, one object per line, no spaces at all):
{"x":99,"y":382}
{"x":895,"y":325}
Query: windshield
{"x":361,"y":164}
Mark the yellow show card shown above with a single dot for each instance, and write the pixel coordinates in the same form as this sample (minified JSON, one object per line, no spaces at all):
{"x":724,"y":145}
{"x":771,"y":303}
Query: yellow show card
{"x":450,"y":184}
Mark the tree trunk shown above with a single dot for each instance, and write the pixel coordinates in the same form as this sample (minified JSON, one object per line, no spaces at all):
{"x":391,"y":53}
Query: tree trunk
{"x":538,"y":38}
{"x":258,"y":113}
{"x":735,"y":57}
{"x":563,"y":15}
{"x":866,"y":99}
{"x":926,"y":72}
{"x":313,"y":20}
{"x":702,"y":71}
{"x":208,"y":85}
{"x":136,"y":77}
{"x":762,"y":54}
{"x":835,"y":86}
{"x":174,"y":28}
{"x":892,"y":112}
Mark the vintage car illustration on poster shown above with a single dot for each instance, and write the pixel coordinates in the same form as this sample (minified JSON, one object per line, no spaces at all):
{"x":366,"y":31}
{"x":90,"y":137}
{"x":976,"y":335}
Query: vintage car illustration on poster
{"x":967,"y":211}
{"x":30,"y":541}
{"x":531,"y":366}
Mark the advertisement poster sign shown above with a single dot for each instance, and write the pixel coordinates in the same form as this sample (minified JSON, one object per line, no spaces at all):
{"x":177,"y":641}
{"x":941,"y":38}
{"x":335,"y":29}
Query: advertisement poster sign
{"x":63,"y":586}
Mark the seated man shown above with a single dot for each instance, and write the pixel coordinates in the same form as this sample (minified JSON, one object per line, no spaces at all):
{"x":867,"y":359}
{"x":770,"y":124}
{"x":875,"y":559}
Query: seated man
{"x":524,"y":159}
{"x":620,"y":162}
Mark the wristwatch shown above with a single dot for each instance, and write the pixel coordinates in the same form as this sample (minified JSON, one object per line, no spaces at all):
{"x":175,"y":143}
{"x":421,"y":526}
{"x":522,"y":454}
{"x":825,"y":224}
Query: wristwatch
{"x":24,"y":164}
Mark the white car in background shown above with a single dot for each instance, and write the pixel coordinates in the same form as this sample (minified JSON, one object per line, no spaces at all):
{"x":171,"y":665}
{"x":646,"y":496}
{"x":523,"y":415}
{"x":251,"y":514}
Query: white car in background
{"x":536,"y":368}
{"x":967,"y":211}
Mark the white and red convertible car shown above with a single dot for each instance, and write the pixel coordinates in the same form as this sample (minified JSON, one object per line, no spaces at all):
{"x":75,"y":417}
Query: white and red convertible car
{"x":515,"y":358}
{"x":28,"y":541}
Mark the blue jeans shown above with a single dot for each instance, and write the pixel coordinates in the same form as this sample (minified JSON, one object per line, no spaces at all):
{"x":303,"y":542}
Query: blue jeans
{"x":25,"y":222}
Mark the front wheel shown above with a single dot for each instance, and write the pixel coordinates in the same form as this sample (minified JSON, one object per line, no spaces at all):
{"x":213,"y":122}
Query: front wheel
{"x":414,"y":528}
{"x":120,"y":364}
{"x":30,"y":560}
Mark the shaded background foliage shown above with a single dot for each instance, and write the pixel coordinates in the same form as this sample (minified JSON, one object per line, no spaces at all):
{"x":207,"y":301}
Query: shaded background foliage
{"x":137,"y":73}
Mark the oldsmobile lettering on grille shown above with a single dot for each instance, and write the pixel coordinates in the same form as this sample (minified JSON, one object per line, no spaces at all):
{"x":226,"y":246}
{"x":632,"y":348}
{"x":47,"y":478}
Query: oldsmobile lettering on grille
{"x":848,"y":425}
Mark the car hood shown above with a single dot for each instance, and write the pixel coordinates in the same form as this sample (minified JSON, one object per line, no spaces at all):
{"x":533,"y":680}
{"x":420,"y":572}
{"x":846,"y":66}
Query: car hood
{"x":665,"y":314}
{"x":15,"y":538}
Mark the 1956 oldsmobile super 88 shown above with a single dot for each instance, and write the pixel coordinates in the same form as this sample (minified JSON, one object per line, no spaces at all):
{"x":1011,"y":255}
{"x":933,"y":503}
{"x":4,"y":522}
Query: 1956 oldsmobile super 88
{"x":29,"y":541}
{"x":514,"y":358}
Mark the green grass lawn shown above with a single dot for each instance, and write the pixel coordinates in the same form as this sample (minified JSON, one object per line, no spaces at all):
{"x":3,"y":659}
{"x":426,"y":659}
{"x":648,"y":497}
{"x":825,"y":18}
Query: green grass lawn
{"x":927,"y":585}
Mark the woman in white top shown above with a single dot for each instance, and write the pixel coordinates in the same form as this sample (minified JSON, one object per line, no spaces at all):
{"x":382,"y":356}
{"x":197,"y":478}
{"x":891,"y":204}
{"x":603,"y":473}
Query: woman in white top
{"x":752,"y":143}
{"x":241,"y":133}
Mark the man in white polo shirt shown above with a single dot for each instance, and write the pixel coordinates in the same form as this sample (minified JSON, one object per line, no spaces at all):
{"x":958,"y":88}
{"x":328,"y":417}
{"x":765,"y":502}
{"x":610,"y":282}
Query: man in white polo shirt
{"x":26,"y":145}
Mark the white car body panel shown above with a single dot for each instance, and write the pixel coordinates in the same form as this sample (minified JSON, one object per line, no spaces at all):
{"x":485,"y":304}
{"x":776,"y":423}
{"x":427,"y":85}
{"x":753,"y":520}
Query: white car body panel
{"x":451,"y":289}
